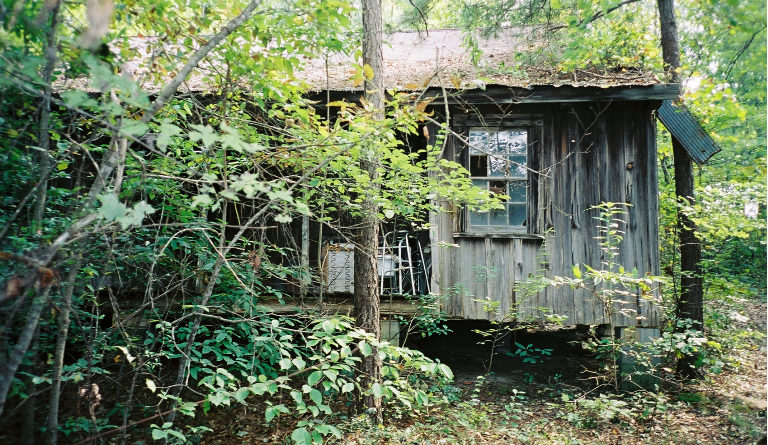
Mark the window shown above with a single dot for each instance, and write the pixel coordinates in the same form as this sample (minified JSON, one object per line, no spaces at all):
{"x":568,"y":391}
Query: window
{"x":498,"y":162}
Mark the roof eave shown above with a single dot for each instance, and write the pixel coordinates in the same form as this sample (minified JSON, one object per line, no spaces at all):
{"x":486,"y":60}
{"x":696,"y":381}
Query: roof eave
{"x":499,"y":94}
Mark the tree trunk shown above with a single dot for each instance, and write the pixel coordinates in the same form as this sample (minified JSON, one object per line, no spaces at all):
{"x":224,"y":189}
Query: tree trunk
{"x":10,"y":365}
{"x":367,"y":239}
{"x":52,"y":423}
{"x":44,"y":137}
{"x":29,"y":406}
{"x":690,"y":304}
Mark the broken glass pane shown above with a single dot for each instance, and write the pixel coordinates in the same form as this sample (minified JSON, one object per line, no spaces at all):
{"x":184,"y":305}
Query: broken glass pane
{"x":478,"y":165}
{"x":498,"y":187}
{"x":506,"y":150}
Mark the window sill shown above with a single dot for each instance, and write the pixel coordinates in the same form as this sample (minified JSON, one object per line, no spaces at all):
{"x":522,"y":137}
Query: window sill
{"x":499,"y":235}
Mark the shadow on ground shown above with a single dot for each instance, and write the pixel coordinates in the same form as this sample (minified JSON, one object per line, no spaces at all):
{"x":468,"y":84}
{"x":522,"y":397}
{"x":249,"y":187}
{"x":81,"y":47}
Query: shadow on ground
{"x":554,"y":355}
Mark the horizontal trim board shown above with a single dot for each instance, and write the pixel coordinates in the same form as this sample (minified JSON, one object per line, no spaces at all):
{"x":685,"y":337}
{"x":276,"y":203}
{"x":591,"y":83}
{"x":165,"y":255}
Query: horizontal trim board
{"x":492,"y":235}
{"x":537,"y":94}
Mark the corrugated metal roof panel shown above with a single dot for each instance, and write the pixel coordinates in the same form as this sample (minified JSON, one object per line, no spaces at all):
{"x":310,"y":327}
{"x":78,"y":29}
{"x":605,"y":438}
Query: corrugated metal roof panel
{"x":683,"y":126}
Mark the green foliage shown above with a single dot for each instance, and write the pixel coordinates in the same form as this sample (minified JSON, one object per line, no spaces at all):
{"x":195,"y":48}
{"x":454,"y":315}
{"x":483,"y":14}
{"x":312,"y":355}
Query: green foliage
{"x":531,"y":354}
{"x":429,"y":318}
{"x":587,"y":413}
{"x":315,"y":374}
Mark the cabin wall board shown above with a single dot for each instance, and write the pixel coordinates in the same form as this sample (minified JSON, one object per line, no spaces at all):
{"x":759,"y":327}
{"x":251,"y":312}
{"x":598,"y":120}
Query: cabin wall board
{"x":589,"y":153}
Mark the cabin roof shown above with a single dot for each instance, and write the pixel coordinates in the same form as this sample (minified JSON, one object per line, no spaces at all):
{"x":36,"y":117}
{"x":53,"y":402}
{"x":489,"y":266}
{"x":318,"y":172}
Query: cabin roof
{"x":417,"y":60}
{"x":413,"y":61}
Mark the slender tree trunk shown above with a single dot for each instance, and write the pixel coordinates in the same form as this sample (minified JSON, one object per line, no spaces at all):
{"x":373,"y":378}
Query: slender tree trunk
{"x":690,"y":305}
{"x":305,"y":277}
{"x":44,"y":138}
{"x":367,"y":242}
{"x":28,"y":423}
{"x":10,"y":365}
{"x":52,"y":423}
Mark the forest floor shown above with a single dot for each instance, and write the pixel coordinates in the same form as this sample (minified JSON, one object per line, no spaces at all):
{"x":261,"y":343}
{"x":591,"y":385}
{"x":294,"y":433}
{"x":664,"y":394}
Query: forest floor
{"x":550,"y":402}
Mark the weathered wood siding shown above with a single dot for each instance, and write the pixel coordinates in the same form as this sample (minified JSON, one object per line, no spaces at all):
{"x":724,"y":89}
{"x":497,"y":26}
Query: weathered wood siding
{"x":589,"y":153}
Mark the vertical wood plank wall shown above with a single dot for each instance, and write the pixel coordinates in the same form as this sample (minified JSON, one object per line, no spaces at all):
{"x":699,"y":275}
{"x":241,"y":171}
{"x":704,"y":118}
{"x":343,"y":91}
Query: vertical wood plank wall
{"x":589,"y":153}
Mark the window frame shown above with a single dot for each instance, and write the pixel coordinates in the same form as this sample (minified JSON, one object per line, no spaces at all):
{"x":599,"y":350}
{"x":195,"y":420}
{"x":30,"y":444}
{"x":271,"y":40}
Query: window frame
{"x":533,"y":126}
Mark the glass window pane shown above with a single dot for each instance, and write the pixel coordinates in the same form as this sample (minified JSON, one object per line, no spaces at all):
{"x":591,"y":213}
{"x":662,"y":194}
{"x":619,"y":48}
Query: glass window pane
{"x":517,"y":191}
{"x":499,"y":217}
{"x":515,"y":141}
{"x":478,"y":219}
{"x":517,"y":166}
{"x":479,"y":140}
{"x":517,"y":214}
{"x":500,"y":165}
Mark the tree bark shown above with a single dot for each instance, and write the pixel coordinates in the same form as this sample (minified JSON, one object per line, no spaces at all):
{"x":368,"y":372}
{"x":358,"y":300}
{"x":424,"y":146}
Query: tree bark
{"x":44,"y":137}
{"x":367,"y":239}
{"x":52,"y":423}
{"x":29,"y":406}
{"x":10,"y":365}
{"x":690,"y":303}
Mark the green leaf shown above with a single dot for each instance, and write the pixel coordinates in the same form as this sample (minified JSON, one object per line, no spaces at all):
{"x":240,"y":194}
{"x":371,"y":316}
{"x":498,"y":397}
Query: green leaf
{"x":331,"y":374}
{"x":136,"y":215}
{"x":218,"y":399}
{"x":204,"y":133}
{"x":77,"y":99}
{"x":421,"y":397}
{"x":283,"y":218}
{"x":365,"y":348}
{"x":348,"y":387}
{"x":111,"y":208}
{"x":273,"y":411}
{"x":299,"y":363}
{"x":285,"y":363}
{"x":376,"y":390}
{"x":158,"y":434}
{"x":203,"y":200}
{"x":316,"y":396}
{"x":166,"y":133}
{"x":301,"y":436}
{"x":133,"y":127}
{"x":151,"y":385}
{"x":576,"y":271}
{"x":446,"y":371}
{"x":335,"y":431}
{"x":241,"y":394}
{"x":259,"y":388}
{"x":314,"y":378}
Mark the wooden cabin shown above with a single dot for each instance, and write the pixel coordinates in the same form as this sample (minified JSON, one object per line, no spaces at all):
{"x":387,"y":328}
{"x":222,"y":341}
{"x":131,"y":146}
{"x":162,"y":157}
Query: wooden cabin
{"x":556,"y":145}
